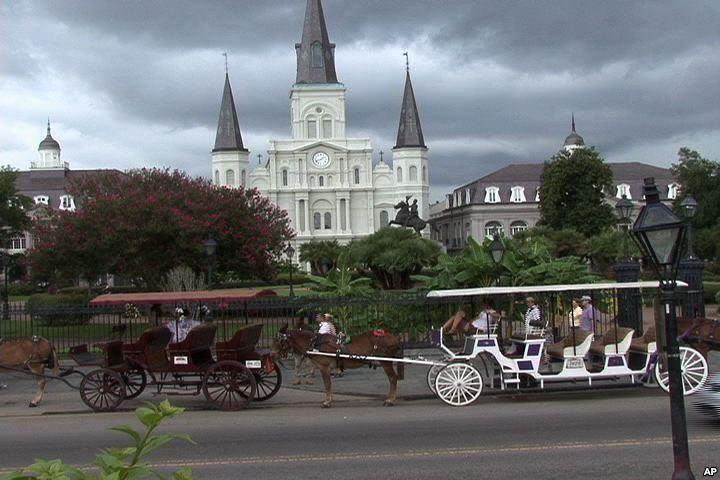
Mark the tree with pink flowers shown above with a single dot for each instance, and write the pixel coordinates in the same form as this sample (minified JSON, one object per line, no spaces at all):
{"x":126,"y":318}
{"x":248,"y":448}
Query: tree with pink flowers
{"x":142,"y":223}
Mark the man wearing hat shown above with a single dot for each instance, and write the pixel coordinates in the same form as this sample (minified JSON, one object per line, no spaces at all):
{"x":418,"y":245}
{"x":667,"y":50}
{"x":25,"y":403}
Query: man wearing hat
{"x":590,"y":314}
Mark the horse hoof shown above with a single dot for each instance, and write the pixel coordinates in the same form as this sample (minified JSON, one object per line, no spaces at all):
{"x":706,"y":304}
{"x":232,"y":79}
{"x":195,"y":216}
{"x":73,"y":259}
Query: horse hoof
{"x":309,"y":382}
{"x":32,"y":405}
{"x":325,"y":404}
{"x":388,"y":403}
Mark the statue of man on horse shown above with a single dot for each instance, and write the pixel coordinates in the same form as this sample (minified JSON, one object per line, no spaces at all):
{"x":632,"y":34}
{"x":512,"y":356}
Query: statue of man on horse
{"x":407,"y":215}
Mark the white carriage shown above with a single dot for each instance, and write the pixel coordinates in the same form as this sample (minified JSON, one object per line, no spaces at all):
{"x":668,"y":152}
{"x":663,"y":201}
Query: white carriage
{"x":616,"y":355}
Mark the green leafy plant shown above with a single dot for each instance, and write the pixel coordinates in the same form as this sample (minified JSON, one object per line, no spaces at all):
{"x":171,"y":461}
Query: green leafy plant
{"x":118,"y":463}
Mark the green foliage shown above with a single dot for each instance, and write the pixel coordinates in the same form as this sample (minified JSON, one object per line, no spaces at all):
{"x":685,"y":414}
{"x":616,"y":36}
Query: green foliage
{"x":118,"y":463}
{"x":13,"y":206}
{"x":20,"y":289}
{"x":321,"y":254}
{"x":60,"y":309}
{"x":571,"y":192}
{"x":707,"y":242}
{"x":710,"y":291}
{"x":143,"y":223}
{"x":473,"y":268}
{"x":392,"y":255}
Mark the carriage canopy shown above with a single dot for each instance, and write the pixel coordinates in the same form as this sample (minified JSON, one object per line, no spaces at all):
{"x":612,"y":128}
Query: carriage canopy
{"x":205,"y":296}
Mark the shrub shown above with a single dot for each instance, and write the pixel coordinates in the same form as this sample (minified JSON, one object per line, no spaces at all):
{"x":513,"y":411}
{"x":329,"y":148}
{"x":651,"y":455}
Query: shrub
{"x":710,"y":291}
{"x":59,"y":310}
{"x":21,"y":289}
{"x":118,"y":463}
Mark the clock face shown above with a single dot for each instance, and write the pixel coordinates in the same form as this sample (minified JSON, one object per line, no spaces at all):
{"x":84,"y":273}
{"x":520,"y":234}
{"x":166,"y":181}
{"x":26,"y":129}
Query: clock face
{"x":321,"y":160}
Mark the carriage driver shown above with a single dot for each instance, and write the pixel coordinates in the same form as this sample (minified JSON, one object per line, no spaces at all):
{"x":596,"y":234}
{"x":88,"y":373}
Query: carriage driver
{"x":326,"y":328}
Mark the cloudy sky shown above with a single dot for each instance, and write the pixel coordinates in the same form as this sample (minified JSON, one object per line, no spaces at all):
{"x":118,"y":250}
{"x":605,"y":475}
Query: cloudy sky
{"x":138,"y":83}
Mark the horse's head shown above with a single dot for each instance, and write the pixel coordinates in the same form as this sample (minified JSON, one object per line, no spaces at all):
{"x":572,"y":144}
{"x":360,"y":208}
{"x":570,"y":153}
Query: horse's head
{"x":281,"y":344}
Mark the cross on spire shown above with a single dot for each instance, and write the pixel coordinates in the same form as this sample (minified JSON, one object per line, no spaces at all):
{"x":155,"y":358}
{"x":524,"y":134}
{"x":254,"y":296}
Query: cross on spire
{"x":259,"y":157}
{"x":381,"y":155}
{"x":226,"y":63}
{"x":407,"y":61}
{"x":48,"y":126}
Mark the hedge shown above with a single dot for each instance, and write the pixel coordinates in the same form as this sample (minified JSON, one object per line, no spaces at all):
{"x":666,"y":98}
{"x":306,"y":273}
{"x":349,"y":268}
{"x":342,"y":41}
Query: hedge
{"x":58,"y":310}
{"x":711,"y":290}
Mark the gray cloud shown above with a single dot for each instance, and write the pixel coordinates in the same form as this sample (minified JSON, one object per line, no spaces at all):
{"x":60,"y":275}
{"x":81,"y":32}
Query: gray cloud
{"x":138,"y":83}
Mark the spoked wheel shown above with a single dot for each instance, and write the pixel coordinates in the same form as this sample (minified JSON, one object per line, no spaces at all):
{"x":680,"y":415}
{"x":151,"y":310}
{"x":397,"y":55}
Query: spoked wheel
{"x":268,"y":380}
{"x":694,"y":370}
{"x":135,"y":381}
{"x":229,"y":385}
{"x":432,"y":374}
{"x":103,"y":390}
{"x":458,"y":384}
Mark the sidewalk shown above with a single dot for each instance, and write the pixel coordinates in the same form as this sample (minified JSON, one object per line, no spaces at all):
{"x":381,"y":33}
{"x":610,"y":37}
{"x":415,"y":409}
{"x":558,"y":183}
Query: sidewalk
{"x":360,"y":385}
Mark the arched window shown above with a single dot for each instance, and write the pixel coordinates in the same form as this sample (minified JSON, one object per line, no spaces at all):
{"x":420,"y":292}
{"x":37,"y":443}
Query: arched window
{"x":424,"y":170}
{"x":673,"y":191}
{"x":217,"y":177}
{"x":321,"y":181}
{"x":312,"y":181}
{"x":317,"y":55}
{"x":413,"y":174}
{"x":383,"y":218}
{"x":67,"y":202}
{"x":537,"y":193}
{"x":356,"y":175}
{"x":518,"y":226}
{"x":492,"y":228}
{"x":327,"y":127}
{"x":317,"y":219}
{"x":399,"y":174}
{"x":517,"y":194}
{"x":329,"y":181}
{"x":623,"y":189}
{"x":284,"y":178}
{"x":242,"y":178}
{"x":328,"y":221}
{"x":230,"y":178}
{"x":312,"y":128}
{"x":467,"y":196}
{"x":492,"y":195}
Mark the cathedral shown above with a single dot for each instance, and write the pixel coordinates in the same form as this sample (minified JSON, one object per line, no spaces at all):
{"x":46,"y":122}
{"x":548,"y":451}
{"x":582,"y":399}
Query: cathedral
{"x":326,"y":180}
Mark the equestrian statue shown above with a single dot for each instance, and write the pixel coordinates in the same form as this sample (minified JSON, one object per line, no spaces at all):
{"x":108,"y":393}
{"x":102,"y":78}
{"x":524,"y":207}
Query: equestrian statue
{"x":407,"y":215}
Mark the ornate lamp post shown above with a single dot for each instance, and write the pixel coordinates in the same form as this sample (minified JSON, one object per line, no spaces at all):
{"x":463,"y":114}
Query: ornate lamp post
{"x":5,"y":260}
{"x":659,"y":234}
{"x":689,"y":207}
{"x":624,"y":208}
{"x":691,"y":267}
{"x":290,"y":253}
{"x":628,"y":270}
{"x":497,"y":252}
{"x":210,"y":246}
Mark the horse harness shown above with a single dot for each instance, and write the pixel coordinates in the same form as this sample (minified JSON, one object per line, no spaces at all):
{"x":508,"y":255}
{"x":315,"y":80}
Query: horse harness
{"x":34,"y":355}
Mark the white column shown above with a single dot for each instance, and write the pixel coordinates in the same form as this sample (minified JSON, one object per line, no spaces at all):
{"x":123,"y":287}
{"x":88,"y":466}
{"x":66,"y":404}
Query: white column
{"x":308,"y":220}
{"x":337,"y":215}
{"x":348,"y":225}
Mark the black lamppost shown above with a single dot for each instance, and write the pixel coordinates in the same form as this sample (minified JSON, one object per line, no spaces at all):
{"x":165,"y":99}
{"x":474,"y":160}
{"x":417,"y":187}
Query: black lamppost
{"x":5,"y":260}
{"x":210,"y":246}
{"x":290,"y":253}
{"x":659,"y":234}
{"x":497,"y":252}
{"x":689,"y":207}
{"x":624,"y":208}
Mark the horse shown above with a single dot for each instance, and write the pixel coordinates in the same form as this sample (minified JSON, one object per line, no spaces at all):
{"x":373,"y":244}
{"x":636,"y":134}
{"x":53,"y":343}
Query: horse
{"x":370,"y":343}
{"x":34,"y":353}
{"x":405,"y":218}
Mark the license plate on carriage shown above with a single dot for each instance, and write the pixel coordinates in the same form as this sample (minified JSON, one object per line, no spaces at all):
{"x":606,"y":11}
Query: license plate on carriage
{"x":180,"y":360}
{"x":253,"y":363}
{"x":575,"y":363}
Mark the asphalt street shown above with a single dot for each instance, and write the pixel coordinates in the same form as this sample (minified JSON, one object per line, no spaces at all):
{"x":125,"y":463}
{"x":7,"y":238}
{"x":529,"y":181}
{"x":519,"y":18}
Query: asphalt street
{"x":620,"y":434}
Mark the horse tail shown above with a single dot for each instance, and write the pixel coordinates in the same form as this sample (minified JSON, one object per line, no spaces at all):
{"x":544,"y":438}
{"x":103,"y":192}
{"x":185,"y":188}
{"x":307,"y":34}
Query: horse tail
{"x":400,"y":366}
{"x":53,"y":363}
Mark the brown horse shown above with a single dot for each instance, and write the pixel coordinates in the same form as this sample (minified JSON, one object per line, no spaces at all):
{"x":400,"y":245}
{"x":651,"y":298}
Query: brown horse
{"x":366,"y":344}
{"x":33,"y":353}
{"x":703,"y":334}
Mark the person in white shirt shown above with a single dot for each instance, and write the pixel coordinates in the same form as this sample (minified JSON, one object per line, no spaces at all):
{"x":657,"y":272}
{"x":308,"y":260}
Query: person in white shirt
{"x":487,"y":320}
{"x":326,"y":325}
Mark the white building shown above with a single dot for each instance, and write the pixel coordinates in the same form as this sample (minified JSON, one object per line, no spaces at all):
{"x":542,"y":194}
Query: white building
{"x":322,"y":177}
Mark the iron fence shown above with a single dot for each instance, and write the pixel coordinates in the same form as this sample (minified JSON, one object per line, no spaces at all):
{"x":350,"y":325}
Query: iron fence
{"x":410,"y":315}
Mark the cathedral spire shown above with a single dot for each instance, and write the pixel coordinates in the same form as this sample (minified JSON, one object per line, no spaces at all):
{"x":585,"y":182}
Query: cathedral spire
{"x":228,"y":137}
{"x":409,"y":131}
{"x":573,"y":121}
{"x":315,"y":53}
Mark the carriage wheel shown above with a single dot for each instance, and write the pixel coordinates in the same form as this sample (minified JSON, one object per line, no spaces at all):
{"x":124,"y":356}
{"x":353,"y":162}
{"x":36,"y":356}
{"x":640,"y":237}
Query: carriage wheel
{"x":229,"y":385}
{"x":268,"y":383}
{"x":432,"y":374}
{"x":103,"y":390}
{"x":694,"y":369}
{"x":135,"y":381}
{"x":458,"y":384}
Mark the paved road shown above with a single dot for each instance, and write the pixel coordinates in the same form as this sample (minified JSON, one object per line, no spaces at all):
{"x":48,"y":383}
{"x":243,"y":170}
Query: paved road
{"x":590,"y":435}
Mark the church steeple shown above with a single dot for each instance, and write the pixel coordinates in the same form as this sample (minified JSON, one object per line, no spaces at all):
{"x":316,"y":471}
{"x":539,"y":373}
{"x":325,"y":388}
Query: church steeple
{"x":228,"y":137}
{"x":315,"y":53}
{"x":409,"y":131}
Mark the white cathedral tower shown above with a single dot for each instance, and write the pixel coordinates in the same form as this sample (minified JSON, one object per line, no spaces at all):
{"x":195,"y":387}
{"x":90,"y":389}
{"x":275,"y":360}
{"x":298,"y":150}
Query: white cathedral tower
{"x":323,"y":178}
{"x":229,"y":156}
{"x":49,"y":154}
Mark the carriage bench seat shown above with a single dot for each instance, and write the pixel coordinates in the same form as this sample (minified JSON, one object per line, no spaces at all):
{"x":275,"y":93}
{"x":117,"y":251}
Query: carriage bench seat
{"x":610,"y":344}
{"x":577,"y":345}
{"x":196,"y":345}
{"x":242,"y":345}
{"x":645,"y":344}
{"x":149,"y":350}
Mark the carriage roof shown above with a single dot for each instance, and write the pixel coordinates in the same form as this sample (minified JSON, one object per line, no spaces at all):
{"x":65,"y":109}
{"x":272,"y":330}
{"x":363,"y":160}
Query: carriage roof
{"x":573,"y":287}
{"x":208,"y":296}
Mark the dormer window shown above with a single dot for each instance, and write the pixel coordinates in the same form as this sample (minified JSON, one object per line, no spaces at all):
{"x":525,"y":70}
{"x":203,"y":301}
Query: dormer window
{"x":673,"y":189}
{"x":623,"y":189}
{"x":467,"y":196}
{"x":517,"y":194}
{"x":537,"y":194}
{"x":41,"y":200}
{"x":67,"y":202}
{"x":317,"y":55}
{"x":492,"y":195}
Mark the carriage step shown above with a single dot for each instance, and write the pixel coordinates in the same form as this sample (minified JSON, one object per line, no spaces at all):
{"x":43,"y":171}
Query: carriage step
{"x":512,"y":380}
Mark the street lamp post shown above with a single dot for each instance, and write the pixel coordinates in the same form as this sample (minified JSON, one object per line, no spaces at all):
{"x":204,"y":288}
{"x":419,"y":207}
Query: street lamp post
{"x":497,"y":252}
{"x":659,"y":234}
{"x":689,"y":207}
{"x":290,"y":253}
{"x":210,"y":246}
{"x":628,"y":270}
{"x":691,"y":267}
{"x":624,"y":208}
{"x":5,"y":263}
